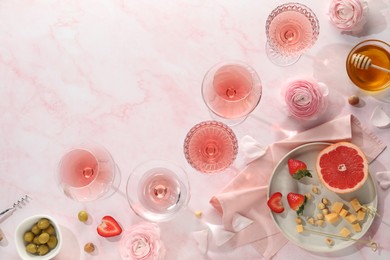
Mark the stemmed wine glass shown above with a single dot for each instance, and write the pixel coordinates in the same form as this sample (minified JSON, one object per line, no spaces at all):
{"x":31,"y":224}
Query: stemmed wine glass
{"x":88,"y":172}
{"x":231,"y":90}
{"x":210,"y":147}
{"x":291,"y":29}
{"x":157,"y":190}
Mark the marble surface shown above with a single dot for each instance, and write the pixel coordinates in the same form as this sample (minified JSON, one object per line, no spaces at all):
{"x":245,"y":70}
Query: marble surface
{"x":127,"y":74}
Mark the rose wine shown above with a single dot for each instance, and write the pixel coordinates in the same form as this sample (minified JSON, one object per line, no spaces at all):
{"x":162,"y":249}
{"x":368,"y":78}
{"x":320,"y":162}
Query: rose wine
{"x":79,"y":168}
{"x":371,"y":79}
{"x":231,"y":90}
{"x":210,"y":146}
{"x":86,"y":175}
{"x":291,"y":29}
{"x":290,"y":32}
{"x":159,"y":190}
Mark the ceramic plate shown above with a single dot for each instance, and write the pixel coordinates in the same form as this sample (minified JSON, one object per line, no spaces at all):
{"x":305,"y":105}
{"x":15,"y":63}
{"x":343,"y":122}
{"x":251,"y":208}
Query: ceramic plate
{"x":282,"y":181}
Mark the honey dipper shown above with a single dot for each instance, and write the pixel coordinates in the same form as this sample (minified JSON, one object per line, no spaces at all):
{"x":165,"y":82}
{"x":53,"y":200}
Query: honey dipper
{"x":363,"y":62}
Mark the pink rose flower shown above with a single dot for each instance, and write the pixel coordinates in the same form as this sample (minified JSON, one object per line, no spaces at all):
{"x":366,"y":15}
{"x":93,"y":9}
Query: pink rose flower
{"x":305,"y":98}
{"x":348,"y":15}
{"x":142,"y":242}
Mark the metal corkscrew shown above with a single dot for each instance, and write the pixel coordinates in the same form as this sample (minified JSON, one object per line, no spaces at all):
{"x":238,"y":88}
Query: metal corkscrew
{"x":19,"y":203}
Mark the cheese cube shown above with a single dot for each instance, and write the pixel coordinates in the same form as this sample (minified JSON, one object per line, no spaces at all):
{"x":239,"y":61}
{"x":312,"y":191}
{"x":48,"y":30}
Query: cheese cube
{"x":344,"y":232}
{"x":198,"y":214}
{"x":351,"y":218}
{"x":355,"y":204}
{"x":299,"y":228}
{"x":337,"y":206}
{"x":360,"y":215}
{"x":343,"y":213}
{"x":356,"y":227}
{"x":331,"y":218}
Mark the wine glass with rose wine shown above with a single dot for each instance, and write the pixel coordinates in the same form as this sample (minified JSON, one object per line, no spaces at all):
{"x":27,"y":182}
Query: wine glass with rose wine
{"x":291,"y":29}
{"x":157,"y":190}
{"x":231,"y":90}
{"x":88,"y":172}
{"x":210,"y":147}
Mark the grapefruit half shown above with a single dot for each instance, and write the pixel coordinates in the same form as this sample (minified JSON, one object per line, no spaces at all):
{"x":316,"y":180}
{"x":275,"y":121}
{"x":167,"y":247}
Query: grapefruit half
{"x":342,"y":167}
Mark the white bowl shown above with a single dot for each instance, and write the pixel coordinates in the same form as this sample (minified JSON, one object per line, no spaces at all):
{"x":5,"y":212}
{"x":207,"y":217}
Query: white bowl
{"x":26,"y":225}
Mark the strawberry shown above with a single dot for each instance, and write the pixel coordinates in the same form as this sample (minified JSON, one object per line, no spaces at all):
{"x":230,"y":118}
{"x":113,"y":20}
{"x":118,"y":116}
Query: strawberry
{"x":275,"y":202}
{"x":298,"y":169}
{"x":109,"y":227}
{"x":297,"y":202}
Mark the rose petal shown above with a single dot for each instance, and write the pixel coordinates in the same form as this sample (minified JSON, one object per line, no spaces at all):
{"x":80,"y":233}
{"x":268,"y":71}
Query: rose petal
{"x":220,"y":235}
{"x":323,"y":88}
{"x":251,"y":149}
{"x":201,"y":238}
{"x":379,"y":118}
{"x":240,"y":222}
{"x":383,"y":179}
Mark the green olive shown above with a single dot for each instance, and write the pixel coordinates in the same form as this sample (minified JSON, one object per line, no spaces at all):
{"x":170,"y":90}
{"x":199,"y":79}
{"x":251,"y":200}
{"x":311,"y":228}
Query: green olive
{"x":43,"y":238}
{"x":31,"y":248}
{"x":42,"y":250}
{"x":36,"y":240}
{"x":50,"y":230}
{"x":52,"y":242}
{"x":83,"y":216}
{"x":28,"y":236}
{"x":43,"y":223}
{"x":36,"y":230}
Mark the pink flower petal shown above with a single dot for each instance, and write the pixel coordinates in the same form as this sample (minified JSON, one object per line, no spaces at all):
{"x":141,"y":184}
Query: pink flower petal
{"x":383,"y":179}
{"x":240,"y":222}
{"x":201,"y":238}
{"x":379,"y":118}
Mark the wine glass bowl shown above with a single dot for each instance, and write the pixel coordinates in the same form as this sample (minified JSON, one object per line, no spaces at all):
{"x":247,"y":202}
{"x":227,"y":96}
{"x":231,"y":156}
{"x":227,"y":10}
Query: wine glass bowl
{"x":87,"y":172}
{"x":210,"y":147}
{"x":157,"y":190}
{"x":291,"y":29}
{"x":231,"y":90}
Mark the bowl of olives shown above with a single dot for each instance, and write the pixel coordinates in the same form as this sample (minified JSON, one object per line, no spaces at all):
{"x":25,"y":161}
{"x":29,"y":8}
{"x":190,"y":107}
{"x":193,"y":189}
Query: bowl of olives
{"x":38,"y":237}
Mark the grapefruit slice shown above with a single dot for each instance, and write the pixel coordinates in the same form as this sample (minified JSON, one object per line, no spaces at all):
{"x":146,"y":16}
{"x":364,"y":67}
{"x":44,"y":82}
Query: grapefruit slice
{"x":342,"y":167}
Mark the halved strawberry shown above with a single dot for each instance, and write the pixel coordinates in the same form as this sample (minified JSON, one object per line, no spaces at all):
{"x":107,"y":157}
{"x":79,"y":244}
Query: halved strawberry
{"x":109,"y":227}
{"x":275,"y":202}
{"x":297,"y":202}
{"x":298,"y":169}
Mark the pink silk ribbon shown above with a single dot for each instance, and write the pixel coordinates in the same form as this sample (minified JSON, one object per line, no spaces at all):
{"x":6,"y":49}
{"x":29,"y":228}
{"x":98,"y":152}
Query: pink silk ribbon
{"x":246,"y":194}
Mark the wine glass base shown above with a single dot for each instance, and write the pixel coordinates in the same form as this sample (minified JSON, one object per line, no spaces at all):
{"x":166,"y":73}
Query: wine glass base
{"x":227,"y":121}
{"x":279,"y":59}
{"x":116,"y":182}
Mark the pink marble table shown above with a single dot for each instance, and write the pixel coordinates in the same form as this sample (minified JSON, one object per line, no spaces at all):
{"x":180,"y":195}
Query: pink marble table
{"x":128,"y":74}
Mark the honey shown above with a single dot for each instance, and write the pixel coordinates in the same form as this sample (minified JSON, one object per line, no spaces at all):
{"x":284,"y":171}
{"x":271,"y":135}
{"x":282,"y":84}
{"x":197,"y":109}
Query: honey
{"x":372,"y":79}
